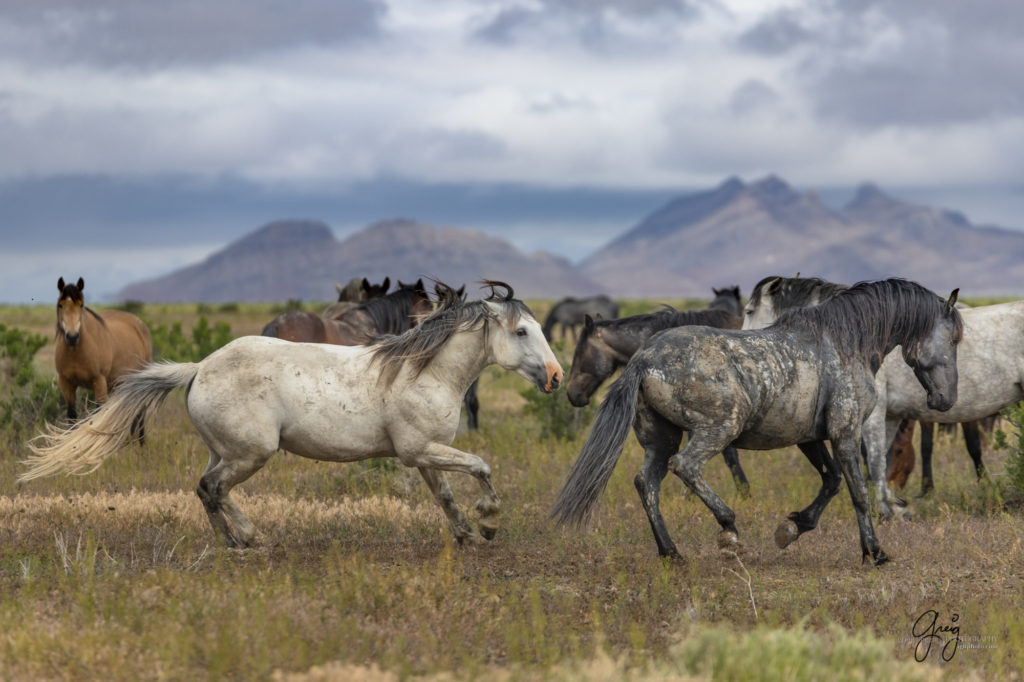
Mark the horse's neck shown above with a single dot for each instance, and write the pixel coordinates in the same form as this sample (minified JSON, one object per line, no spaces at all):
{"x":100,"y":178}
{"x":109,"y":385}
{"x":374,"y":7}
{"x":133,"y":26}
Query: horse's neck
{"x":624,"y":340}
{"x":460,"y":362}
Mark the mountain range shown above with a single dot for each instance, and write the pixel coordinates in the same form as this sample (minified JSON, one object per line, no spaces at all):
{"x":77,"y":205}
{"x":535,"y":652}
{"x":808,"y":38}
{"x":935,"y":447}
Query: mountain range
{"x":735,"y":233}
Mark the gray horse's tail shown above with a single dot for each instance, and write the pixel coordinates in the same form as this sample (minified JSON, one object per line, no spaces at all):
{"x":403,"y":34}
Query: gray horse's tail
{"x":601,"y":452}
{"x":82,"y":447}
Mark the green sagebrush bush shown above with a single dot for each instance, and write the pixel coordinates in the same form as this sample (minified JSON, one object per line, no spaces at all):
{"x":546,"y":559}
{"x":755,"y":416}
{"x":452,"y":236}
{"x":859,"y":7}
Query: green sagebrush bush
{"x":171,"y":343}
{"x":553,"y":412}
{"x":1013,"y":442}
{"x":26,"y":399}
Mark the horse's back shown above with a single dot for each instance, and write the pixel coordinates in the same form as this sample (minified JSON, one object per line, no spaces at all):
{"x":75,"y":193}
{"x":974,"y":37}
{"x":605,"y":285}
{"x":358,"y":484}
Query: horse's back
{"x":317,"y":400}
{"x":706,"y":377}
{"x":130,"y":342}
{"x":296,"y":326}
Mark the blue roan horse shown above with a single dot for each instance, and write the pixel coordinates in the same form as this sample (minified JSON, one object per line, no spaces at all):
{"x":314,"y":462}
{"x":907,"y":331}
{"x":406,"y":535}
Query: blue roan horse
{"x":806,"y":379}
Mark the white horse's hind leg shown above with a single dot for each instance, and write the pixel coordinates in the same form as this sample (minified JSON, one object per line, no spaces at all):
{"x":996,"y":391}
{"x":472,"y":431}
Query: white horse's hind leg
{"x":214,"y":487}
{"x":438,"y":484}
{"x":447,"y":458}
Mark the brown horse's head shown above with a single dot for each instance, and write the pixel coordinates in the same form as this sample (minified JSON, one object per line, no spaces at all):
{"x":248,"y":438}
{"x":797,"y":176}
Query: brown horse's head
{"x":70,"y":306}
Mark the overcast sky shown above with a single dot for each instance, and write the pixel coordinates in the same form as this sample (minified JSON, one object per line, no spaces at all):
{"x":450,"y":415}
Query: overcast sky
{"x":276,"y":101}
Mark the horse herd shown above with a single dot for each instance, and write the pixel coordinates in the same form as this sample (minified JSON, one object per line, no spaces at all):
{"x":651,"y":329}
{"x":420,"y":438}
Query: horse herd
{"x":804,"y":362}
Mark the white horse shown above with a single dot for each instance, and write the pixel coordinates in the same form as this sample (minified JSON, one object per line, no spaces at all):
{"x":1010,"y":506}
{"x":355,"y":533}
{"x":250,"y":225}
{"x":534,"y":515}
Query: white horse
{"x":399,"y":398}
{"x":990,"y":362}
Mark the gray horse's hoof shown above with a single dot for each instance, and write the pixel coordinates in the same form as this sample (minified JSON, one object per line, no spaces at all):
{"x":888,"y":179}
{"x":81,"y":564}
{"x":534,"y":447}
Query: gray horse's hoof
{"x":786,"y":534}
{"x":727,"y":540}
{"x":472,"y":540}
{"x":488,"y":531}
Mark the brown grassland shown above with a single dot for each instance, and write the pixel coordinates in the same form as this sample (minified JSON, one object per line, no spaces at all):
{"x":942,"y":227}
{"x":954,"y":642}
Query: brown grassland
{"x":117,"y":575}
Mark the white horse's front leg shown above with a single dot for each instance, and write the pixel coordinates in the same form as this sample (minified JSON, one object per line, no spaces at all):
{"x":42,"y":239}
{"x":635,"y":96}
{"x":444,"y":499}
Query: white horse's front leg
{"x":438,"y":484}
{"x":447,"y":458}
{"x":878,"y":433}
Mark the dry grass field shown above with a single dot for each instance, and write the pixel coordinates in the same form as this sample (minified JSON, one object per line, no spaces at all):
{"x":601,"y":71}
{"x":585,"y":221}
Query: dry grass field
{"x":117,"y":575}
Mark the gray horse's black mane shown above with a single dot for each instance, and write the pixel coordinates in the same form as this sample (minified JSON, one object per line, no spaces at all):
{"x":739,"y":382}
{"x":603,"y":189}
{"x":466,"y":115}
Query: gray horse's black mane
{"x":792,"y":292}
{"x":390,"y":313}
{"x":454,"y":314}
{"x":871,"y":318}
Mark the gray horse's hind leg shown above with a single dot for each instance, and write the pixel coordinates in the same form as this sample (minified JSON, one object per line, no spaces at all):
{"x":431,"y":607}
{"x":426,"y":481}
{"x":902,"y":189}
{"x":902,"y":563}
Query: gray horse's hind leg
{"x":689,"y":465}
{"x":660,"y":440}
{"x":802,"y":521}
{"x":214,"y":488}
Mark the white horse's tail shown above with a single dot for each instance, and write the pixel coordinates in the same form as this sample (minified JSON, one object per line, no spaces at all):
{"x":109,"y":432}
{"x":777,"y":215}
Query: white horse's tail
{"x":82,"y":447}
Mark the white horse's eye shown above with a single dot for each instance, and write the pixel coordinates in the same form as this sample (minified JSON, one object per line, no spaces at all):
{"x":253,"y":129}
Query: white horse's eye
{"x":521,"y":332}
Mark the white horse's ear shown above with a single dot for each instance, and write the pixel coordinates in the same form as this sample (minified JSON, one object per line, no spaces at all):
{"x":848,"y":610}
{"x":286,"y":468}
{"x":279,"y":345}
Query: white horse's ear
{"x":774,"y":285}
{"x":338,"y":288}
{"x":951,"y":301}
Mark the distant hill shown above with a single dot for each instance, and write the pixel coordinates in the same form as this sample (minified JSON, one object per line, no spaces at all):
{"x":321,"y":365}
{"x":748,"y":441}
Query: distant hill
{"x":738,"y":233}
{"x":302,"y":259}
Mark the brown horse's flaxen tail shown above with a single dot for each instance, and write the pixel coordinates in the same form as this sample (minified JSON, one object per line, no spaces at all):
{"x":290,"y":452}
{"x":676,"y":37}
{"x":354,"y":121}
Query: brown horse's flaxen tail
{"x":601,"y":452}
{"x":82,"y":447}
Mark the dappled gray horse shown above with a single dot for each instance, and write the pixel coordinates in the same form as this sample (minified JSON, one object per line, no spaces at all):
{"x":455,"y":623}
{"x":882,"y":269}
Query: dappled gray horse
{"x":808,"y":378}
{"x":991,"y":368}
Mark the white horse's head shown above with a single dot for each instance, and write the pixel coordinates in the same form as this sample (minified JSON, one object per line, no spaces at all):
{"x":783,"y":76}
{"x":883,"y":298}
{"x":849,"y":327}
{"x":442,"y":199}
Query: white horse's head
{"x":760,"y":310}
{"x":517,"y":344}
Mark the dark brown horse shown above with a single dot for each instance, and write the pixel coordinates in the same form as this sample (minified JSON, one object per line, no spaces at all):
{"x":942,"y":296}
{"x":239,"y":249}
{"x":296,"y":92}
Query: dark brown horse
{"x":391,"y":314}
{"x":606,"y":345}
{"x":94,"y":350}
{"x":349,"y":297}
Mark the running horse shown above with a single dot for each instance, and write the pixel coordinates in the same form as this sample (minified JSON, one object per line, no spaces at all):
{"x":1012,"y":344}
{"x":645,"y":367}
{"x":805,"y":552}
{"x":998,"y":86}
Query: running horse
{"x":606,"y":345}
{"x":806,"y":379}
{"x":96,"y":350}
{"x":396,"y":398}
{"x":991,"y":366}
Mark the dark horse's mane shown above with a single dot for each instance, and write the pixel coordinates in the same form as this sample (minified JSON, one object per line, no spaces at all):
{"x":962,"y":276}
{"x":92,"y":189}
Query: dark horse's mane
{"x":890,"y":312}
{"x":391,"y":313}
{"x":797,"y":291}
{"x":663,"y":319}
{"x":454,"y":314}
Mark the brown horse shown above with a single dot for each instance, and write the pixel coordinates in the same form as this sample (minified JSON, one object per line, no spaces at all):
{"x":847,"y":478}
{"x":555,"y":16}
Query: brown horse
{"x":347,"y":299}
{"x":901,"y":454}
{"x":390,"y":314}
{"x":94,"y":350}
